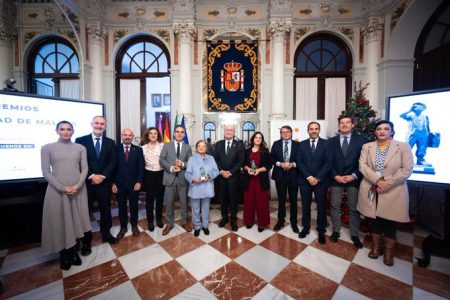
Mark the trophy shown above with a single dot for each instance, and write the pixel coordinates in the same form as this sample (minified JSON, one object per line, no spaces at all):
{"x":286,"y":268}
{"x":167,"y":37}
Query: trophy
{"x":202,"y":174}
{"x":253,"y":167}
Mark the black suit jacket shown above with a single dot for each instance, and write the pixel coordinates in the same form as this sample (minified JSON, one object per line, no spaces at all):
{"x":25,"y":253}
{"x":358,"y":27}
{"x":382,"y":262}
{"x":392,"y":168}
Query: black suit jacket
{"x":130,"y":172}
{"x":276,"y":154}
{"x":317,"y":165}
{"x":105,"y":164}
{"x":349,"y":164}
{"x":264,"y":161}
{"x":232,"y":161}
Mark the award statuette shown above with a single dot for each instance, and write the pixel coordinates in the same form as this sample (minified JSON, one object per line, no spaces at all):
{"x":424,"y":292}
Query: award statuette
{"x":202,"y":174}
{"x":253,"y":167}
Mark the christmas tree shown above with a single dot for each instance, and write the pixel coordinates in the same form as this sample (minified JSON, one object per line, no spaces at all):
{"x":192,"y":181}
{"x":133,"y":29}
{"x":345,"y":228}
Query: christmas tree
{"x":364,"y":117}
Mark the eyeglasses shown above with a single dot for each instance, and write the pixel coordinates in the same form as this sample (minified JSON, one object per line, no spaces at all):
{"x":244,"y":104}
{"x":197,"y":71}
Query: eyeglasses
{"x":286,"y":132}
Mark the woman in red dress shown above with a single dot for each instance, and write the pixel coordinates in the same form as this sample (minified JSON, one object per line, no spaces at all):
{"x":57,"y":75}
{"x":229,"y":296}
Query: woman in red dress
{"x":256,"y":182}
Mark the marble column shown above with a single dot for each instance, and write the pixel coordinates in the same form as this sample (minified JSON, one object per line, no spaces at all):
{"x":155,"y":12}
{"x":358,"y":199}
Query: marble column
{"x":372,"y":39}
{"x":96,"y":33}
{"x":278,"y":29}
{"x":184,"y":31}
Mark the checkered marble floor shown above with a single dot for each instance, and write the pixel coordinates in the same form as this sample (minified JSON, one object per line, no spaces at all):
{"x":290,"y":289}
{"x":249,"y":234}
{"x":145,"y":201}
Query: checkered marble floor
{"x":245,"y":264}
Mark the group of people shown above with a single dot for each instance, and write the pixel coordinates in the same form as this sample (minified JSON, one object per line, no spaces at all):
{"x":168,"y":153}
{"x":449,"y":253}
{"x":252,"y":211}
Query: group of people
{"x":373,"y":175}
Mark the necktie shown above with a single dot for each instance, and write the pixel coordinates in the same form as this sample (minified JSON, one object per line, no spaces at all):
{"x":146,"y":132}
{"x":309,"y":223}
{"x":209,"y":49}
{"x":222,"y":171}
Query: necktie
{"x":97,"y":146}
{"x":228,"y":147}
{"x":178,"y":150}
{"x":345,"y":146}
{"x":286,"y":152}
{"x":313,"y":146}
{"x":127,"y":152}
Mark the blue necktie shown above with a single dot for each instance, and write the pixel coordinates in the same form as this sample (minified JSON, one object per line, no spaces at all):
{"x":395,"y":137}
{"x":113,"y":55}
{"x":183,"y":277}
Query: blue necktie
{"x":97,"y":146}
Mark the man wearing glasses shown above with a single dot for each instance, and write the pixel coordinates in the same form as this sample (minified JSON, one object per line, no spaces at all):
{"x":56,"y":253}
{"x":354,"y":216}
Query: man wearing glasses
{"x":283,"y":154}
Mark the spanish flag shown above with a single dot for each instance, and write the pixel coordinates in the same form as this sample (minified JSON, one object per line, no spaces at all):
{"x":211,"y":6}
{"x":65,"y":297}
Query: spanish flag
{"x":166,"y":129}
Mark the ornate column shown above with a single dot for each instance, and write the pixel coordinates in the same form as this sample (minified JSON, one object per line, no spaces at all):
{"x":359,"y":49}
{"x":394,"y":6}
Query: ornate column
{"x":371,"y":30}
{"x":278,"y":29}
{"x":184,"y":31}
{"x":96,"y":32}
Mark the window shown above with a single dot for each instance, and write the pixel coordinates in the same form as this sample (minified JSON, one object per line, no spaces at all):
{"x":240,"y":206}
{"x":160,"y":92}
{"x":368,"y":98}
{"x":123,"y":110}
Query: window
{"x":248,"y":129}
{"x":144,"y":57}
{"x":322,"y":56}
{"x":53,"y":69}
{"x":209,"y":132}
{"x":145,"y":60}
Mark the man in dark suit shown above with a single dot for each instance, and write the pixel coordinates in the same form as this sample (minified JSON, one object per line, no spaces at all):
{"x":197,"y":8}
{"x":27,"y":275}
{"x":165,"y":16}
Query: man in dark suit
{"x":314,"y":164}
{"x":127,"y":181}
{"x":102,"y":157}
{"x":284,"y":154}
{"x":345,"y":176}
{"x":229,"y":155}
{"x":173,"y":158}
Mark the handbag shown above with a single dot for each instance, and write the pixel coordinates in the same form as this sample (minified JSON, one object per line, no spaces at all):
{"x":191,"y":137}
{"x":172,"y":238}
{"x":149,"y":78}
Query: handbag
{"x":434,"y":139}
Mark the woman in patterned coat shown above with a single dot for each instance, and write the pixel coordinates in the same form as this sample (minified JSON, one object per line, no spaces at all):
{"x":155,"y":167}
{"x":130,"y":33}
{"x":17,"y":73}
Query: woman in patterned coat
{"x":386,"y":164}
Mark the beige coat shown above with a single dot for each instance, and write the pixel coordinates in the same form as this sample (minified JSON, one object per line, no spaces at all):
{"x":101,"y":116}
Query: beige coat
{"x":393,"y":204}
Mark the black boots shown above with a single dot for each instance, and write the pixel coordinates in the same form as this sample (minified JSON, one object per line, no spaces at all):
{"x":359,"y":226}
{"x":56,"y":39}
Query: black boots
{"x":68,"y":258}
{"x":86,"y":243}
{"x":64,"y":259}
{"x":75,"y":259}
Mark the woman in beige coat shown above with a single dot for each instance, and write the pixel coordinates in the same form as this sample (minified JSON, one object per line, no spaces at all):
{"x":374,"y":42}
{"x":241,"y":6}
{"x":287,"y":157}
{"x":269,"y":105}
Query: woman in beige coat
{"x":386,"y":164}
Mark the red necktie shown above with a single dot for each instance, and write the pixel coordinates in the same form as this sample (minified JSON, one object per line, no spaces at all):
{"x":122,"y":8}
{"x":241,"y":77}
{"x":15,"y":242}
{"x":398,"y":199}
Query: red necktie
{"x":127,"y":153}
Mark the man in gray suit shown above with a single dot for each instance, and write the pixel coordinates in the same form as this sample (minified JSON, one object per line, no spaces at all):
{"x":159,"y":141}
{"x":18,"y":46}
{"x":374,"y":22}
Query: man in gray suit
{"x":173,"y":158}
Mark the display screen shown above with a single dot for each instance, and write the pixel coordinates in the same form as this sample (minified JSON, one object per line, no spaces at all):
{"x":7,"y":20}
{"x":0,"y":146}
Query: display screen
{"x":28,"y":122}
{"x":423,"y":120}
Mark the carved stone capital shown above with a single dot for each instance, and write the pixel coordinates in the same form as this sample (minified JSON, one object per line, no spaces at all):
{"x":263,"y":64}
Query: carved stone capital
{"x":96,"y":30}
{"x":279,"y":27}
{"x":184,"y":29}
{"x":372,"y":28}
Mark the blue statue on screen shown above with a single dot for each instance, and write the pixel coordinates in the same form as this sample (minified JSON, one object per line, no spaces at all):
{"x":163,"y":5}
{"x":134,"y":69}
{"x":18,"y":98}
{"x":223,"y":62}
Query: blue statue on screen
{"x":418,"y":131}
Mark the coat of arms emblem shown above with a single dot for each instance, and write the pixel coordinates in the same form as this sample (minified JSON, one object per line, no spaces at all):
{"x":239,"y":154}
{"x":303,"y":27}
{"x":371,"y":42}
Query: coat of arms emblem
{"x":232,"y":78}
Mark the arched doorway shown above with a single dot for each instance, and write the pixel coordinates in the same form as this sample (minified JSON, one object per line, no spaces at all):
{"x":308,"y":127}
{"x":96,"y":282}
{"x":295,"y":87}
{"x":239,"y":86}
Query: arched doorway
{"x":142,"y":85}
{"x":322,"y":79}
{"x":432,"y":53}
